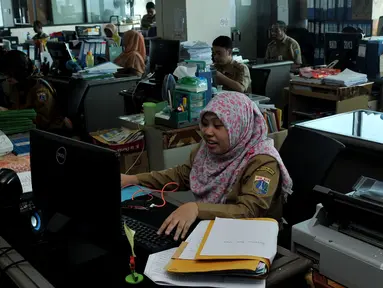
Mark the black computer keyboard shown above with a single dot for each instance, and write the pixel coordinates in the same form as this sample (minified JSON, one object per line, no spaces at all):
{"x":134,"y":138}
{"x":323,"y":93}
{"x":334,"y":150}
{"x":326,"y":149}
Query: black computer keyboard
{"x":146,"y":236}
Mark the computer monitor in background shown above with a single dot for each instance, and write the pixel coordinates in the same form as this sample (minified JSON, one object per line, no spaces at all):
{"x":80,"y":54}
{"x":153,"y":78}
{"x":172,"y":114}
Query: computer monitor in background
{"x":80,"y":182}
{"x":88,"y":32}
{"x":69,"y":35}
{"x":5,"y":32}
{"x":164,"y":56}
{"x":60,"y":54}
{"x":342,"y":47}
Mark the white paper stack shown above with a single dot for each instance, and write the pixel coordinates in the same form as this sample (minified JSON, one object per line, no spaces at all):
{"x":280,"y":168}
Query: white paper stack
{"x":346,"y":79}
{"x":197,"y":50}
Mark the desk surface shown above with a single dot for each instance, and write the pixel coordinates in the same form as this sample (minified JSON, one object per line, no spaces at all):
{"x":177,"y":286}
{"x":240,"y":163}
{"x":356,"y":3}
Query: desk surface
{"x":361,"y":125}
{"x":271,"y":65}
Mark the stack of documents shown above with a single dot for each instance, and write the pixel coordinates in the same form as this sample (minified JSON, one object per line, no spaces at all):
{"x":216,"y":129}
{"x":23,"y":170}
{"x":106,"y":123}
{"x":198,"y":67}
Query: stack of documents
{"x":119,"y":136}
{"x":231,"y":252}
{"x":196,"y":50}
{"x":346,"y":79}
{"x":105,"y":70}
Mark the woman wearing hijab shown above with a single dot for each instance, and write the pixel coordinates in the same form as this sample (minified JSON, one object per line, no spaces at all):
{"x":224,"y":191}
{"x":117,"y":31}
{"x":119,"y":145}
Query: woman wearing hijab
{"x":235,"y":173}
{"x":111,"y":33}
{"x":134,"y":54}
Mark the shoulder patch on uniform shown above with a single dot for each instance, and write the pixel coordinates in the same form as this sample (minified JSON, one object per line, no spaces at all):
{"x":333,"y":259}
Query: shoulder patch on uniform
{"x":42,"y":96}
{"x":266,"y":169}
{"x":261,"y":185}
{"x":297,"y":52}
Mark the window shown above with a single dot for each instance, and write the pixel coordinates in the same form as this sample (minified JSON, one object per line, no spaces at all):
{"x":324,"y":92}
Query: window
{"x":61,"y":12}
{"x":101,"y":10}
{"x":1,"y":16}
{"x":44,"y":12}
{"x":68,"y":11}
{"x":22,"y":12}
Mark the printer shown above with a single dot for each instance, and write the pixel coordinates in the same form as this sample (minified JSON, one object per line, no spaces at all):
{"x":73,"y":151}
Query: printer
{"x":344,"y":239}
{"x":370,"y":57}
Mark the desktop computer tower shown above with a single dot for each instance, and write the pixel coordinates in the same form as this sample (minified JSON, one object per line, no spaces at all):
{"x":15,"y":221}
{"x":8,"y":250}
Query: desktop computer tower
{"x":370,"y":57}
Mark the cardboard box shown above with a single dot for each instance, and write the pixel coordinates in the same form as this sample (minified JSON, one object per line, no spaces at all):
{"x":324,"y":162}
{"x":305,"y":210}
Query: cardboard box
{"x":139,"y":161}
{"x":356,"y":103}
{"x":279,"y":138}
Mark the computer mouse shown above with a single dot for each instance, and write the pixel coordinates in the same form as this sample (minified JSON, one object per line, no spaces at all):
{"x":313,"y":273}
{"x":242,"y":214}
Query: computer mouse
{"x":10,"y":188}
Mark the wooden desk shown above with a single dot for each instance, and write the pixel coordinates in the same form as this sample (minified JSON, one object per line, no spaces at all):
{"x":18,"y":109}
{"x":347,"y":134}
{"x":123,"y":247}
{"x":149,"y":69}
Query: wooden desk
{"x":308,"y":101}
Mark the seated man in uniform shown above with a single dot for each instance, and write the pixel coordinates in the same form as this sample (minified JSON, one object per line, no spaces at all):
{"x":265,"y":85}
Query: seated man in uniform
{"x":23,"y":90}
{"x":232,"y":75}
{"x":149,"y":19}
{"x":283,"y":47}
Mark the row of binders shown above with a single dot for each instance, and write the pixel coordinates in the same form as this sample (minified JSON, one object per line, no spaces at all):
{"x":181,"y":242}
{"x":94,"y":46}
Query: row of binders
{"x":221,"y":253}
{"x":329,"y":9}
{"x":273,"y":117}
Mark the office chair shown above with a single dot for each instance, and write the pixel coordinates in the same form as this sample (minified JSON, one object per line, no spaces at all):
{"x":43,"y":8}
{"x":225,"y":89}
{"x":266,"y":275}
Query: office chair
{"x":259,"y":78}
{"x":305,"y":40}
{"x":308,"y":156}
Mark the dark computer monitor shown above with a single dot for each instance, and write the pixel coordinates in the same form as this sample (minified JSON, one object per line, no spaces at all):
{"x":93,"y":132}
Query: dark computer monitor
{"x":79,"y":181}
{"x":69,"y":35}
{"x":5,"y":32}
{"x":343,"y":47}
{"x":164,"y":56}
{"x":60,"y":55}
{"x":88,"y":32}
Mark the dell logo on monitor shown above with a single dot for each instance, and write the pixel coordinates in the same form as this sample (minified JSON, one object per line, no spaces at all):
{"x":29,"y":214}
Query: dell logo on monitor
{"x":61,"y":155}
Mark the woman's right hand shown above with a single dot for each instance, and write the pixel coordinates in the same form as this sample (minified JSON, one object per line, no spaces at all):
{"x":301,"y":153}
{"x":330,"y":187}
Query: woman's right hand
{"x":127,"y":180}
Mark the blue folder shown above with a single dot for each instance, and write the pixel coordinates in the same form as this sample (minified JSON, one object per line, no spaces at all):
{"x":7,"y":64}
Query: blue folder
{"x":127,"y":193}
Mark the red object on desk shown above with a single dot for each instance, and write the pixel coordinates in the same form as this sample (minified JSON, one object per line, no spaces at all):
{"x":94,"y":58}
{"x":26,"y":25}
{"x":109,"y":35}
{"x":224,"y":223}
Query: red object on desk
{"x":16,"y":163}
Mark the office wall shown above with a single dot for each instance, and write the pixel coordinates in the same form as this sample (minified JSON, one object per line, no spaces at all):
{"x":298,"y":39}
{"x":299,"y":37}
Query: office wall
{"x":7,"y":12}
{"x":208,"y":19}
{"x":193,"y":19}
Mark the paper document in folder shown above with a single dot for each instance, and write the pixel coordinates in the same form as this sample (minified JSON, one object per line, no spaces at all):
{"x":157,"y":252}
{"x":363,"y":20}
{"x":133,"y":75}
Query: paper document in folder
{"x":240,"y":239}
{"x":155,"y":270}
{"x":184,"y":260}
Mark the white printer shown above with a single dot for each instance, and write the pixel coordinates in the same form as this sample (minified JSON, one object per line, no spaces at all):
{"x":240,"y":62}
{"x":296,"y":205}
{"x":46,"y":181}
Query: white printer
{"x":344,"y":239}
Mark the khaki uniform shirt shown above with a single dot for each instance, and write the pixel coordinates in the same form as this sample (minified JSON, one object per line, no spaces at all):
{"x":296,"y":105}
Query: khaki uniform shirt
{"x":238,"y":72}
{"x":286,"y":50}
{"x":147,"y":21}
{"x":41,"y":99}
{"x":246,"y":199}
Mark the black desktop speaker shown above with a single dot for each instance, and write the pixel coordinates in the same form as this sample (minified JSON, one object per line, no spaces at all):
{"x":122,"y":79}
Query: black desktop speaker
{"x":10,"y":191}
{"x":19,"y":219}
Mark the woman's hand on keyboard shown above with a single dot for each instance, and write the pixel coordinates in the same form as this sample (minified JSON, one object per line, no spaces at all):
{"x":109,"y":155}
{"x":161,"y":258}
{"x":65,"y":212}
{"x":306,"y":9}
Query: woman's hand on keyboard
{"x":128,"y":180}
{"x":182,"y":218}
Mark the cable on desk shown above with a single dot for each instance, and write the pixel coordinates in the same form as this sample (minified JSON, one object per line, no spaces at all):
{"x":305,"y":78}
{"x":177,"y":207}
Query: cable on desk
{"x":162,"y":191}
{"x":138,"y":158}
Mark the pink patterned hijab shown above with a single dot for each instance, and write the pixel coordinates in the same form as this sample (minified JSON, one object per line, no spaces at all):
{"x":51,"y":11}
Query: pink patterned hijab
{"x":213,"y":175}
